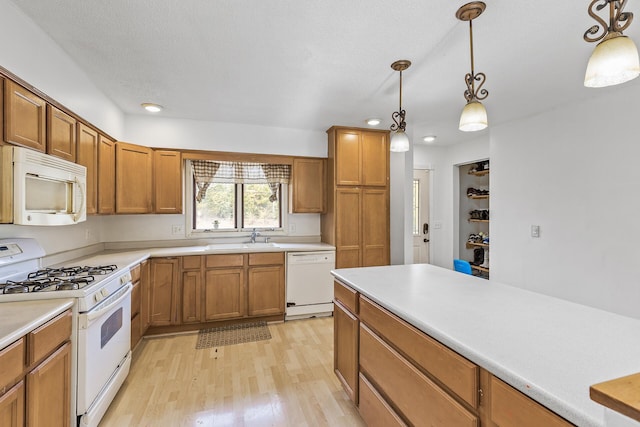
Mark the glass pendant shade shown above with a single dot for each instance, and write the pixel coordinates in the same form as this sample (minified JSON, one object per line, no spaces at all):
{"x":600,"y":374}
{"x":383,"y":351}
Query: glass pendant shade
{"x":613,"y":61}
{"x":473,"y":117}
{"x":399,"y":141}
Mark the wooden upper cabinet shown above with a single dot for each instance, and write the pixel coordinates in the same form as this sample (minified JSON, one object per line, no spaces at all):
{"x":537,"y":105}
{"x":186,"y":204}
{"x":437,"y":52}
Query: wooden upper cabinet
{"x":87,"y":156}
{"x":167,"y":182}
{"x":361,"y":157}
{"x":375,"y":158}
{"x":61,"y":134}
{"x":348,"y":157}
{"x":134,"y":176}
{"x":307,"y":190}
{"x":106,"y":175}
{"x":24,"y":117}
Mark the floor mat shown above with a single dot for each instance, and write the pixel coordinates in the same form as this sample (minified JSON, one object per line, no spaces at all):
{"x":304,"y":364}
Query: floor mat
{"x":233,"y":334}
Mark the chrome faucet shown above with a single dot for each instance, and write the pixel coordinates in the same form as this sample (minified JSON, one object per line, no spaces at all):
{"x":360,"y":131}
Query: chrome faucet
{"x":254,"y":234}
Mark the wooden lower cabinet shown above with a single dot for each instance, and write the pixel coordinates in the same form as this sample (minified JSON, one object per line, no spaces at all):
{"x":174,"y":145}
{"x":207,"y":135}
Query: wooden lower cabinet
{"x":398,"y":375}
{"x":164,"y":291}
{"x":145,"y":296}
{"x":12,"y":407}
{"x":509,"y":407}
{"x":191,"y":291}
{"x":375,"y":411}
{"x":265,"y":284}
{"x":345,"y":349}
{"x":224,"y":294}
{"x":417,"y":397}
{"x":191,"y":296}
{"x":49,"y":390}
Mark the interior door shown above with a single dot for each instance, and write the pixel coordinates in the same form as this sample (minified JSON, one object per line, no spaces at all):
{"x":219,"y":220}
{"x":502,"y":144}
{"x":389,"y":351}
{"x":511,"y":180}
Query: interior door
{"x":421,"y":216}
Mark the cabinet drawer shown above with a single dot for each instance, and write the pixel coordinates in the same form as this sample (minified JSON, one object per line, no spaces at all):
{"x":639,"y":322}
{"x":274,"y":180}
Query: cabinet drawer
{"x":11,"y":363}
{"x":454,"y":371}
{"x":135,"y":274}
{"x":347,"y":296}
{"x":509,"y":407}
{"x":415,"y":396}
{"x":229,"y":260}
{"x":191,"y":262}
{"x":48,"y":337}
{"x":267,"y":258}
{"x":135,"y":299}
{"x":374,"y":410}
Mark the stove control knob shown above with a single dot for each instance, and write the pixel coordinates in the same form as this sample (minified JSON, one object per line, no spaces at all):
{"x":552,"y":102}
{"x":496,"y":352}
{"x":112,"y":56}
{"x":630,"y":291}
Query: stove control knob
{"x":97,"y":297}
{"x":104,"y":293}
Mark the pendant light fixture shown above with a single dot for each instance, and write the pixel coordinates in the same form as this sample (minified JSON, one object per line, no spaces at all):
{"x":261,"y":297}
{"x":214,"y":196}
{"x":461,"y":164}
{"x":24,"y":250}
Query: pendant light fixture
{"x":474,"y":115}
{"x":615,"y":58}
{"x":399,"y":140}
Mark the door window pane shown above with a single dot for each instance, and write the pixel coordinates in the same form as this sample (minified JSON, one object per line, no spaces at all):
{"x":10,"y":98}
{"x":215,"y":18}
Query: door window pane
{"x":416,"y":207}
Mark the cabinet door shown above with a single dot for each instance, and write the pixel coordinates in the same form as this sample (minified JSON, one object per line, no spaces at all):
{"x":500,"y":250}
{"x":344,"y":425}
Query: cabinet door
{"x":375,"y":227}
{"x":61,"y":134}
{"x":145,"y":296}
{"x":133,"y":178}
{"x":24,"y":117}
{"x":375,"y":159}
{"x":12,"y":407}
{"x":265,"y":290}
{"x":345,"y":349}
{"x":106,"y":175}
{"x":348,"y":227}
{"x":164,"y":293}
{"x":167,"y":182}
{"x":191,"y":296}
{"x":49,"y":390}
{"x":348,"y":157}
{"x":307,"y":187}
{"x":224,"y":296}
{"x":87,"y":156}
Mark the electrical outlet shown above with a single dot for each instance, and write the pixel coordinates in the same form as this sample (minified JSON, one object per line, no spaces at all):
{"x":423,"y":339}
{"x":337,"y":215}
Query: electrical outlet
{"x":292,"y":227}
{"x":87,"y":234}
{"x":437,"y":225}
{"x":177,"y":229}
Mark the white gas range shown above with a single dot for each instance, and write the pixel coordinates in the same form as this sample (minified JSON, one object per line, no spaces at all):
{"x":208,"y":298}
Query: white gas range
{"x":102,"y":318}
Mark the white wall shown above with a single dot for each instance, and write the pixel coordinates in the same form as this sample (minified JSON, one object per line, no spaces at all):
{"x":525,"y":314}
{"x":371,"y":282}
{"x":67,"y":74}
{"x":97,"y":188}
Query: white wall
{"x":575,"y":172}
{"x":31,"y":55}
{"x":442,"y":161}
{"x":156,"y":131}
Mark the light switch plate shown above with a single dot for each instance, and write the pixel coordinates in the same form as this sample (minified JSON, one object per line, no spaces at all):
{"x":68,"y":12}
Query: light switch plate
{"x":535,"y":231}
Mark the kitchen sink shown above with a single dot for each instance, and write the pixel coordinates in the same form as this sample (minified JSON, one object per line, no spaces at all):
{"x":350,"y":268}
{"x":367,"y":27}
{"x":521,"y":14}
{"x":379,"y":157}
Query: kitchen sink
{"x":239,"y":246}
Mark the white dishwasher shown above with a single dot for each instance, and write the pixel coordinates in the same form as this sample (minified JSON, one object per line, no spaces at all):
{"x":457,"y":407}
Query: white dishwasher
{"x":309,"y":284}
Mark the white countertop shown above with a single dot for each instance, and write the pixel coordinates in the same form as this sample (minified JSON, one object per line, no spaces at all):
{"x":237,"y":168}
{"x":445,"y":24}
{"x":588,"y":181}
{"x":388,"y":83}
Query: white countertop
{"x":127,"y":258}
{"x":19,"y":318}
{"x":550,"y":349}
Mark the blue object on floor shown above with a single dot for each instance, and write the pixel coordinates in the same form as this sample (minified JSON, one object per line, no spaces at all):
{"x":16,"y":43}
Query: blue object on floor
{"x":462,"y":266}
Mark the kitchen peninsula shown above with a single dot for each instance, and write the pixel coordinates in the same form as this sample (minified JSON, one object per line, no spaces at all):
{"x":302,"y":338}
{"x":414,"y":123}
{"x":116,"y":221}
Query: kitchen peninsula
{"x":515,"y":345}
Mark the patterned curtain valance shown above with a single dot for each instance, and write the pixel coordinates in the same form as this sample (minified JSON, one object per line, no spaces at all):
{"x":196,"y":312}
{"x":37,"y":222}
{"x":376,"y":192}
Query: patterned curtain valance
{"x":206,"y":171}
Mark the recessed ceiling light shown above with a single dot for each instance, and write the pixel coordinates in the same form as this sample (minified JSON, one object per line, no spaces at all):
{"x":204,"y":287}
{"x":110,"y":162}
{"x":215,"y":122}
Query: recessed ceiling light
{"x":373,"y":122}
{"x":429,"y":138}
{"x":152,"y":108}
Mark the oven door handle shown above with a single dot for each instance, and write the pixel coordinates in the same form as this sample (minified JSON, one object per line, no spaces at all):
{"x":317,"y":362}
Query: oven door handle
{"x":119,"y":297}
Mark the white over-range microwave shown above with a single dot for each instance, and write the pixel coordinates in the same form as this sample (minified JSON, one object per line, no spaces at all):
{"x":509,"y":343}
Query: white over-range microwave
{"x":38,"y":189}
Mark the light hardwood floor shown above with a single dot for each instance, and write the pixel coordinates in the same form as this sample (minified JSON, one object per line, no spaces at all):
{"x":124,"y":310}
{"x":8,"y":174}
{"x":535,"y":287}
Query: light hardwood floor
{"x":285,"y":381}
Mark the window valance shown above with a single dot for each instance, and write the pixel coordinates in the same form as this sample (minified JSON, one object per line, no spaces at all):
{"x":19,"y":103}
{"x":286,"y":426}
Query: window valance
{"x":206,"y":172}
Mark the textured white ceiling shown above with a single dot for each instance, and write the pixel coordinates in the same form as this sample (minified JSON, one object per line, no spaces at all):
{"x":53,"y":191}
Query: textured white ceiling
{"x":316,"y":63}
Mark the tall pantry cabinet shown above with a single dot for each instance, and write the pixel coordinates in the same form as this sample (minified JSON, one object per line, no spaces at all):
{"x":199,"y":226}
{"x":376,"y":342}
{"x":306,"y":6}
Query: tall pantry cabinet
{"x":357,"y":218}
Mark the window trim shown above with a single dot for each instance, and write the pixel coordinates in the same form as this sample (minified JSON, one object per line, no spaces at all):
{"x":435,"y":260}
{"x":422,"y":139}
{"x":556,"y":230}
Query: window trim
{"x":236,"y":232}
